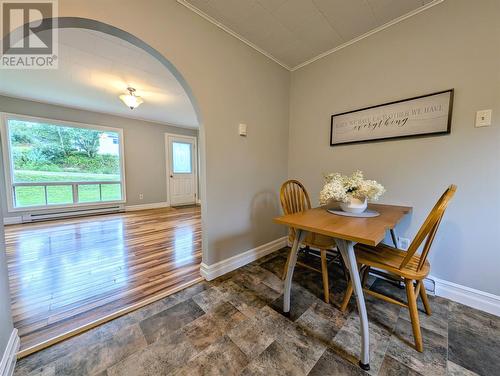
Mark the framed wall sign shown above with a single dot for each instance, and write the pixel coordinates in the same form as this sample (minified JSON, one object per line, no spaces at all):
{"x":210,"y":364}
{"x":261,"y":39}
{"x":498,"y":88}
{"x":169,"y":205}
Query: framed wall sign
{"x":414,"y":117}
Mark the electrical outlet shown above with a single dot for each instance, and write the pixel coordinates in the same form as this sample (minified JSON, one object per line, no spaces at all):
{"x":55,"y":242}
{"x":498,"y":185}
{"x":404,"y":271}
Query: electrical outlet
{"x":483,"y":118}
{"x":430,"y":286}
{"x":404,"y":243}
{"x":141,"y":196}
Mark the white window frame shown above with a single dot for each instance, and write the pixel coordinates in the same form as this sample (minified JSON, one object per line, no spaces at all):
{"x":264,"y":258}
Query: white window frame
{"x":8,"y":164}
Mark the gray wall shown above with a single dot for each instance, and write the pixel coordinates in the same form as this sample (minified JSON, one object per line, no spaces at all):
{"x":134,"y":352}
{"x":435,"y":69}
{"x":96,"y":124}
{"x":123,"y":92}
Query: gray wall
{"x":145,"y":166}
{"x":453,"y":45}
{"x":5,"y":314}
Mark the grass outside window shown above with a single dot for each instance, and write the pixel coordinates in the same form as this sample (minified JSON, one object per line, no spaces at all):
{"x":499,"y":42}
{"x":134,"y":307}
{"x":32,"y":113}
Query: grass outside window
{"x":26,"y":196}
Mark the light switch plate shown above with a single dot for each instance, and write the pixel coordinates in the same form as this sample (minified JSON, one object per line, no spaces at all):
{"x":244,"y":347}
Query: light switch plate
{"x":483,"y":118}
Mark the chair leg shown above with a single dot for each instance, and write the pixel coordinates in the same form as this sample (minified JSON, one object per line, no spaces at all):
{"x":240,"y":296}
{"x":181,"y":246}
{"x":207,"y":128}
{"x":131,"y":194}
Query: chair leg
{"x":412,"y":307}
{"x":347,"y":296}
{"x":344,"y":269}
{"x":350,"y":289}
{"x":425,"y":300}
{"x":365,"y":276}
{"x":324,"y":272}
{"x":283,"y":276}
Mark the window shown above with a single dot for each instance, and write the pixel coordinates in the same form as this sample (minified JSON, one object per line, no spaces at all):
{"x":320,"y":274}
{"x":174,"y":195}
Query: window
{"x":181,"y":152}
{"x":53,"y":164}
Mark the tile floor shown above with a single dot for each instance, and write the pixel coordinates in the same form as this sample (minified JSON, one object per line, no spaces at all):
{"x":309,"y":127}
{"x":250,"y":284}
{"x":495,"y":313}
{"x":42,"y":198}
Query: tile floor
{"x":233,"y":326}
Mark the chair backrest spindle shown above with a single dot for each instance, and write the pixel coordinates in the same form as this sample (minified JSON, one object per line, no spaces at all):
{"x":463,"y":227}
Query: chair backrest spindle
{"x":429,"y":228}
{"x":428,"y":243}
{"x":294,"y":199}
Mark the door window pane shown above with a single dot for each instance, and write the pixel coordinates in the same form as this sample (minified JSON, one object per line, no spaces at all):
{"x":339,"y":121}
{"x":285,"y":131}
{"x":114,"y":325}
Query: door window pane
{"x":59,"y":194}
{"x":181,"y":158}
{"x":29,"y":196}
{"x":89,"y":193}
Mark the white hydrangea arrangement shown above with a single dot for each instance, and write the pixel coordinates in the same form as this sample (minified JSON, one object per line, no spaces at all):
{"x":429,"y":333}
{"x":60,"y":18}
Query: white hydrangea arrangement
{"x":341,"y":188}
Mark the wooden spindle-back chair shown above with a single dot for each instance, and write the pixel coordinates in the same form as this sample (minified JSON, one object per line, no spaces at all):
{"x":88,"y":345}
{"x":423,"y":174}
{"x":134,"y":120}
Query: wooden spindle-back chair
{"x":294,"y":199}
{"x":408,"y":265}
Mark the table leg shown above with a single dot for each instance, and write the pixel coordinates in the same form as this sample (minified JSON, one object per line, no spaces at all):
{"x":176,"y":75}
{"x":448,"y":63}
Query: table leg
{"x":347,"y":251}
{"x":292,"y":260}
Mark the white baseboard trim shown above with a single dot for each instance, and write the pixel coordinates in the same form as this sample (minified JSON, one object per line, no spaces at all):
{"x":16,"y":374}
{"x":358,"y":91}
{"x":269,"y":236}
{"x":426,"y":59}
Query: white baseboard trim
{"x":483,"y":301}
{"x":9,"y":357}
{"x":154,"y":205}
{"x":478,"y":299}
{"x":12,"y":220}
{"x":210,"y":272}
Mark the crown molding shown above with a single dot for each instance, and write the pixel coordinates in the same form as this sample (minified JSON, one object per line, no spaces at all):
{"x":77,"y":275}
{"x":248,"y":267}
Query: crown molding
{"x":320,"y":56}
{"x":370,"y":33}
{"x":231,"y":32}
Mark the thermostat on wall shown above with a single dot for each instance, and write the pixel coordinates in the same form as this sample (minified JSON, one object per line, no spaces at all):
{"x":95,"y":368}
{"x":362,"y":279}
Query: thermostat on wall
{"x":243,"y":130}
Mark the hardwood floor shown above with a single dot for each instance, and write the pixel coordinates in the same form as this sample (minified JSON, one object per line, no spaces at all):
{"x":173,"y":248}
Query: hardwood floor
{"x":67,"y":274}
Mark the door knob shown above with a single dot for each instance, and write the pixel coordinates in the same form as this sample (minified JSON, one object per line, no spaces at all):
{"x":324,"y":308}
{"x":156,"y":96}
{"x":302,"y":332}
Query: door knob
{"x":171,"y":176}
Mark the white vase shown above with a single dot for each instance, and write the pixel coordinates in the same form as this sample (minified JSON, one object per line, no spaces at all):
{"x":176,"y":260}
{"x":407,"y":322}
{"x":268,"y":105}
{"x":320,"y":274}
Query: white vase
{"x":355,"y":205}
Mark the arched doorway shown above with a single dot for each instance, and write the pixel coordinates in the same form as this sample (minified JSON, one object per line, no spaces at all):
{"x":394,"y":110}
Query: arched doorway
{"x":96,"y":26}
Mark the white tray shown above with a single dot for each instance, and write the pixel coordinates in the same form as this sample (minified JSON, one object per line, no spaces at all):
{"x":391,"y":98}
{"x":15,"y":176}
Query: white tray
{"x":366,"y":214}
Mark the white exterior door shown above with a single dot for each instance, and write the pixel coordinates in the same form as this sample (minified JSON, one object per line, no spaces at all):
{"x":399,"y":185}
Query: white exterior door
{"x":181,"y":169}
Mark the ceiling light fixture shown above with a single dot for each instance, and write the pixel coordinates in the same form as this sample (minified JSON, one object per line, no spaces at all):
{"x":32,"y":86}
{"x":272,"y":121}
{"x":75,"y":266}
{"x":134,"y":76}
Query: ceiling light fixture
{"x":131,"y":99}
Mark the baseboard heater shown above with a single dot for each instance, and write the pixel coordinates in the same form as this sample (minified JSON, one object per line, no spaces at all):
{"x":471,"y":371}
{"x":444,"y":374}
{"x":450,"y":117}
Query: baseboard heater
{"x":429,"y":284}
{"x":72,"y":213}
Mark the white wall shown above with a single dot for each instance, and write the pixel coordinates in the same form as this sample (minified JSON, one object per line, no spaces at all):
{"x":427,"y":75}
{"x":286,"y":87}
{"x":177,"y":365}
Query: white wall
{"x":453,"y":45}
{"x":144,"y":146}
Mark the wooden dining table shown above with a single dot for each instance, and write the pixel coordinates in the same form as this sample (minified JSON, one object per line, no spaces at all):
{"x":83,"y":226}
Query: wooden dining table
{"x":347,"y":231}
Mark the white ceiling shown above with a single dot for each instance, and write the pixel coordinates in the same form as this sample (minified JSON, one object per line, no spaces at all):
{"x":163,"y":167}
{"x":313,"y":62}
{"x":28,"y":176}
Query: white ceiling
{"x":295,"y":31}
{"x":93,"y":70}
